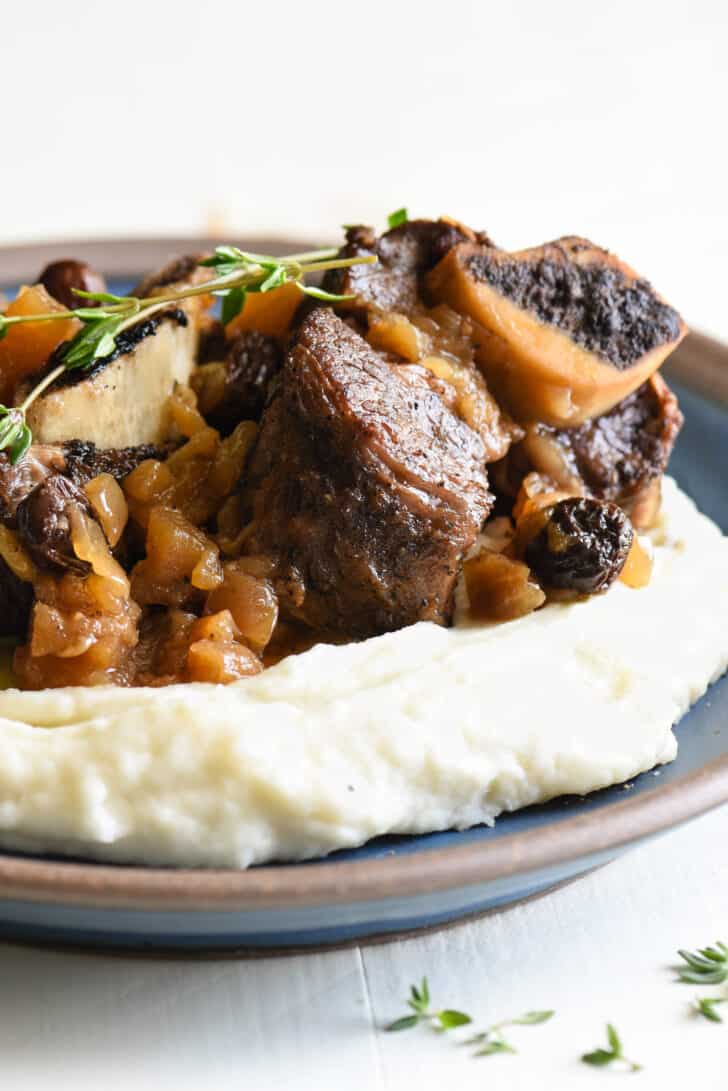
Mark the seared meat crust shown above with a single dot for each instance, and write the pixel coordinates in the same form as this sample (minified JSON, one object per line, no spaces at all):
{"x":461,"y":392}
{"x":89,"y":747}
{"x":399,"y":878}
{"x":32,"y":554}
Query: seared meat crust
{"x":252,"y":360}
{"x":178,"y":270}
{"x":365,"y":488}
{"x":618,"y":454}
{"x":404,"y":253}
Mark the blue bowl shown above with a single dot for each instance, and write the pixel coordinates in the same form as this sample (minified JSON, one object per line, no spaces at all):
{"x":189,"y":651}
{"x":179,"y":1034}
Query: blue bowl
{"x":395,"y":885}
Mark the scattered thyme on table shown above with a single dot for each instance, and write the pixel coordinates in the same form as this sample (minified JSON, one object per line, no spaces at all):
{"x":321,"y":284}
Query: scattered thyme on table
{"x":489,"y":1041}
{"x":706,"y":966}
{"x":612,"y":1053}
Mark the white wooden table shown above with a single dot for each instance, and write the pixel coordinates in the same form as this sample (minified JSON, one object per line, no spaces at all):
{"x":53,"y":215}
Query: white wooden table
{"x":532,"y":120}
{"x":600,"y":949}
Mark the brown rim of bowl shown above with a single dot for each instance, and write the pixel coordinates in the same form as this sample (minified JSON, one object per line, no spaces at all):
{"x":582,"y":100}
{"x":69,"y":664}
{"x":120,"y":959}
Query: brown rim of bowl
{"x":20,"y":264}
{"x":700,"y":362}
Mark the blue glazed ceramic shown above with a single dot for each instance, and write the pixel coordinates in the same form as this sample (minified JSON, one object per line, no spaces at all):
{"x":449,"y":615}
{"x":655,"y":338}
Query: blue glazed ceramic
{"x":392,"y":885}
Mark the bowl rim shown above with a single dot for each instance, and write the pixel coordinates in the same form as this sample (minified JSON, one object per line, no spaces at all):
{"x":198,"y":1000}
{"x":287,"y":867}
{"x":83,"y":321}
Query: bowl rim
{"x":701,"y":363}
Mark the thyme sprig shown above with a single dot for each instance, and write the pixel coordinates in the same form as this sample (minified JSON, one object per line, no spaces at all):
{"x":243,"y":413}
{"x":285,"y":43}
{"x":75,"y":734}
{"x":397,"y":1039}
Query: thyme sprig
{"x":397,"y":218}
{"x":613,"y":1052}
{"x":238,"y":273}
{"x":492,"y":1040}
{"x":489,"y":1041}
{"x":706,"y":1005}
{"x":419,"y":1002}
{"x":706,"y":966}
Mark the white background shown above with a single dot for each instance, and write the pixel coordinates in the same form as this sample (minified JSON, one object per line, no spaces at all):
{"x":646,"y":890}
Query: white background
{"x":528,"y":119}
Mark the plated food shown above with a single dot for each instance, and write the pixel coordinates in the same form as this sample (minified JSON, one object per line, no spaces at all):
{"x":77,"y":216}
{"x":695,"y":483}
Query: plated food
{"x":388,"y":552}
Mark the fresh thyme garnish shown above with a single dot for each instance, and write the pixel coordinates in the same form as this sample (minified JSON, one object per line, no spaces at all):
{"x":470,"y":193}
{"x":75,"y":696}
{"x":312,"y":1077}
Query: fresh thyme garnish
{"x":488,"y":1041}
{"x":419,"y":1002}
{"x":492,"y":1040}
{"x":237,"y":273}
{"x":394,"y":219}
{"x":706,"y":966}
{"x":614,"y":1052}
{"x":15,"y":435}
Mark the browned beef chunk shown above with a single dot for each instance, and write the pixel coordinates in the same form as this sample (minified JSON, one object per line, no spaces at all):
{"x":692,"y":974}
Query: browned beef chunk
{"x":364,"y":487}
{"x":616,"y":456}
{"x":404,"y":253}
{"x":252,"y":360}
{"x":16,"y":599}
{"x":213,"y":343}
{"x":175,"y":271}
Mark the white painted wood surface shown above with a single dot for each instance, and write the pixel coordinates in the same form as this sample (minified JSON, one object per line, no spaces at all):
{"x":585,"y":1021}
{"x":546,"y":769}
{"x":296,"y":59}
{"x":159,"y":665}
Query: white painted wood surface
{"x":599,"y":949}
{"x":532,"y":120}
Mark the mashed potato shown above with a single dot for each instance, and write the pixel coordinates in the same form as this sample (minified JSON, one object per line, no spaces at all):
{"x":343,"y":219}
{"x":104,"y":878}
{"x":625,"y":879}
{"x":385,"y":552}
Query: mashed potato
{"x":423,"y":729}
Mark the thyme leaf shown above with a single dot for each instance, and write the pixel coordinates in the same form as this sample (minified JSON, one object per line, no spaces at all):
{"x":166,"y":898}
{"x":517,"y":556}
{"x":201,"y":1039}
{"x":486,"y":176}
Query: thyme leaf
{"x":705,"y":1006}
{"x":400,"y":216}
{"x":419,"y":1002}
{"x":706,"y":966}
{"x":613,"y":1052}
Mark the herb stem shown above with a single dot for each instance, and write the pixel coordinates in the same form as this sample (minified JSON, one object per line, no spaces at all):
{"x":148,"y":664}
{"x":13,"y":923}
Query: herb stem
{"x":231,"y":280}
{"x":339,"y":263}
{"x":42,"y":385}
{"x":17,"y":319}
{"x":235,"y":274}
{"x":314,"y":255}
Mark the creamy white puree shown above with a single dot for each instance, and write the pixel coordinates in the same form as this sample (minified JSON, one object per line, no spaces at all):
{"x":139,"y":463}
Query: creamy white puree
{"x":423,"y":729}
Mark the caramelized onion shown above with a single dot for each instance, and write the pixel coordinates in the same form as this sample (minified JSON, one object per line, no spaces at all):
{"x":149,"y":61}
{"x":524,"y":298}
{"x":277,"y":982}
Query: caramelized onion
{"x":207,"y":573}
{"x":251,"y":601}
{"x":220,"y":662}
{"x":499,"y":588}
{"x":90,"y":545}
{"x":548,"y":457}
{"x":109,"y":506}
{"x":231,"y":457}
{"x":149,"y":482}
{"x":15,"y":556}
{"x":65,"y":635}
{"x":209,"y":383}
{"x":637,"y":571}
{"x":184,"y":413}
{"x":180,"y":559}
{"x":395,"y":333}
